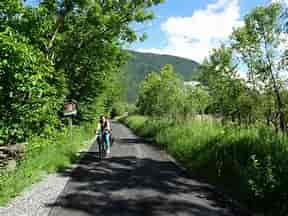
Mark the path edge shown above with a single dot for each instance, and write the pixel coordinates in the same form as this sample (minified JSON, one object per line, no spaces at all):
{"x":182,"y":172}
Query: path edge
{"x":73,"y":167}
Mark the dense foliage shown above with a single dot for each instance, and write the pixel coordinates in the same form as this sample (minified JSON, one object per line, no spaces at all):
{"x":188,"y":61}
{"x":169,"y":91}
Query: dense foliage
{"x":160,"y":94}
{"x":59,"y":51}
{"x":164,"y":94}
{"x":29,"y":97}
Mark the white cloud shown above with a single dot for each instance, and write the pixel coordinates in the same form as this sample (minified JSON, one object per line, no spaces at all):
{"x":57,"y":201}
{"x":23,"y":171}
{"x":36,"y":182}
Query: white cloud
{"x":193,"y":37}
{"x":285,"y":2}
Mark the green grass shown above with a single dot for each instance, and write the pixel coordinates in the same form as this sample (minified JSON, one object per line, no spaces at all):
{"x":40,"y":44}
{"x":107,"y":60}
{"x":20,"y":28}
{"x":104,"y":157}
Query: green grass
{"x":250,"y":163}
{"x":44,"y":156}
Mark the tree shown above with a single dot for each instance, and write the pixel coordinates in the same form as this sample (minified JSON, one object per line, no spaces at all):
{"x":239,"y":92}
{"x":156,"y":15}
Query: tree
{"x":219,"y":74}
{"x":197,"y":99}
{"x":259,"y":43}
{"x":29,"y":95}
{"x":161,"y":94}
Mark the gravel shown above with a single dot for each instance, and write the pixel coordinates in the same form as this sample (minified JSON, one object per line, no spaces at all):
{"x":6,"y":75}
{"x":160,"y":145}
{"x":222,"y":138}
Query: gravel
{"x":35,"y":200}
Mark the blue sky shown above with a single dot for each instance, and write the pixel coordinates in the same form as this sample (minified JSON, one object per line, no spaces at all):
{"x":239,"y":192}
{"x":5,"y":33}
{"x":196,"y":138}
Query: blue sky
{"x":191,"y":28}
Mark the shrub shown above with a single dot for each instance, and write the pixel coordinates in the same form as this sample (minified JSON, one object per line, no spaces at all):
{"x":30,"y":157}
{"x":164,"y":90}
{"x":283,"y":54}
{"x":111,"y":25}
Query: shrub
{"x":118,"y":109}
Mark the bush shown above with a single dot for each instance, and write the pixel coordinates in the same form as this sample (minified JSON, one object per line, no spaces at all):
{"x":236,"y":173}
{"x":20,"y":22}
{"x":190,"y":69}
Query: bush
{"x":131,"y":109}
{"x":118,"y":109}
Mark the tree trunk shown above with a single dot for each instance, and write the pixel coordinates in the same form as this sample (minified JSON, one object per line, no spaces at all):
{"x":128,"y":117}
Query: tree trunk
{"x":53,"y":37}
{"x":279,"y":102}
{"x":280,"y":106}
{"x":239,"y":118}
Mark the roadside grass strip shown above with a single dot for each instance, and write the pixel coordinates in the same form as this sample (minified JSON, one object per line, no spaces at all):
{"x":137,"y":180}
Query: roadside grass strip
{"x":44,"y":156}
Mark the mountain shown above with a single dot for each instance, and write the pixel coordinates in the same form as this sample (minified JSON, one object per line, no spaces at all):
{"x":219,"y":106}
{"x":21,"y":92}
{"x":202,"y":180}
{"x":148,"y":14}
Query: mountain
{"x":140,"y":64}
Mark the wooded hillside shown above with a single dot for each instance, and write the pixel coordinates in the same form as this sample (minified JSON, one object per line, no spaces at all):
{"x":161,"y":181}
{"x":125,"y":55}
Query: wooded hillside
{"x":140,"y":64}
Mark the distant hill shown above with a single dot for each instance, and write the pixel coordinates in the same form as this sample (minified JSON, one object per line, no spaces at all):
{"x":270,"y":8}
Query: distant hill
{"x":140,"y":64}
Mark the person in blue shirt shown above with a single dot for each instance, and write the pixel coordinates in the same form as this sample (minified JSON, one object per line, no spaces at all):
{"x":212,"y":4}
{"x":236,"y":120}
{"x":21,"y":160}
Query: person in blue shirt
{"x":104,"y":133}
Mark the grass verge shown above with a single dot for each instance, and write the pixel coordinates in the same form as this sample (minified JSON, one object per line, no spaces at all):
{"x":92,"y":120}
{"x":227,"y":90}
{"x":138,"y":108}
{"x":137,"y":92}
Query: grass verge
{"x":44,"y":156}
{"x":250,"y":163}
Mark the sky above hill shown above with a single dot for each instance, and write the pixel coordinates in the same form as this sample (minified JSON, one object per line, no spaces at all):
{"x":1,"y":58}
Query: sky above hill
{"x":191,"y":28}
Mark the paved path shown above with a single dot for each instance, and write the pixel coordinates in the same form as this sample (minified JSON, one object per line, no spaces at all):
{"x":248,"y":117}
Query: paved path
{"x":137,"y":180}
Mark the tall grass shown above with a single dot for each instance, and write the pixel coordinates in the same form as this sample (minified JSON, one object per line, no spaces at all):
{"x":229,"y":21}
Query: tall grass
{"x":250,"y":163}
{"x":44,"y":156}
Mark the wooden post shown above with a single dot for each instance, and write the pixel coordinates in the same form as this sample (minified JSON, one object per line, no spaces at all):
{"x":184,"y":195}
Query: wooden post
{"x":70,"y":119}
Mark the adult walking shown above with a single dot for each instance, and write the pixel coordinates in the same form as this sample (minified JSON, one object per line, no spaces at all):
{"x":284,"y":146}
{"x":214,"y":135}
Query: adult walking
{"x":104,"y":135}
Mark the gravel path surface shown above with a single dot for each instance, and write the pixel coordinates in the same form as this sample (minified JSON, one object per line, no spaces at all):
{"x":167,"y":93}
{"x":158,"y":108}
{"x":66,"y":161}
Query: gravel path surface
{"x":35,"y":200}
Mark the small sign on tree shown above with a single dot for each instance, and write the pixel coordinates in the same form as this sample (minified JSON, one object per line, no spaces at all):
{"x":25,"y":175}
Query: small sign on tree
{"x":70,"y":108}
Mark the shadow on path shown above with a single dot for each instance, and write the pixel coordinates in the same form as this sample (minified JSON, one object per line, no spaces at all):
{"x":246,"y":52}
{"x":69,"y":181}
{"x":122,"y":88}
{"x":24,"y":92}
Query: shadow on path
{"x":133,"y":186}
